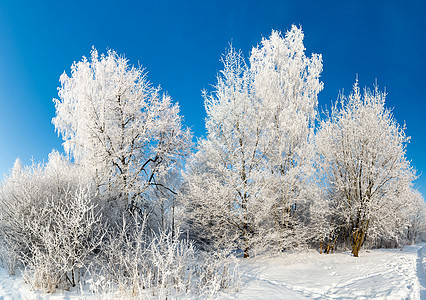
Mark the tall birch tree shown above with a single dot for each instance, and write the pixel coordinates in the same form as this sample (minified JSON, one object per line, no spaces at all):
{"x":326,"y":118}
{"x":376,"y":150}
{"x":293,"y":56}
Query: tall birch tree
{"x":287,"y":83}
{"x":251,"y":170}
{"x":223,"y":178}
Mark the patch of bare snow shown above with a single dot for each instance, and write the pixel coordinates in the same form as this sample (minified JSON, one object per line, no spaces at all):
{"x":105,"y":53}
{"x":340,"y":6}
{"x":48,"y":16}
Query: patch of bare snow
{"x":377,"y":274}
{"x":13,"y":288}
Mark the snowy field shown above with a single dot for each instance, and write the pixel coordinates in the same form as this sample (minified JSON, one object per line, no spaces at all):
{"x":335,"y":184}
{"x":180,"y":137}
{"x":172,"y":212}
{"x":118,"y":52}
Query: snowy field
{"x":376,"y":274}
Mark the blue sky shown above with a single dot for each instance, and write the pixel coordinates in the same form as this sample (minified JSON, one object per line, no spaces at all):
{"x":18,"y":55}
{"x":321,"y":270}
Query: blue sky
{"x":180,"y":44}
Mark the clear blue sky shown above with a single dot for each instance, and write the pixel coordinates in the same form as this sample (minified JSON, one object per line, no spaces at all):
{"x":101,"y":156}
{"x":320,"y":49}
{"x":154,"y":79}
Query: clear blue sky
{"x":180,"y":43}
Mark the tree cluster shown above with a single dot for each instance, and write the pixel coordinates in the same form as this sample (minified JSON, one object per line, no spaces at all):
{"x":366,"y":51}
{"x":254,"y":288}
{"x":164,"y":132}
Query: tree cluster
{"x":272,"y":173}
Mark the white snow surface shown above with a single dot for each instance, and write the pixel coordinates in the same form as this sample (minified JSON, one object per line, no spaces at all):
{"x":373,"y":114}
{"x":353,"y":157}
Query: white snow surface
{"x":376,"y":274}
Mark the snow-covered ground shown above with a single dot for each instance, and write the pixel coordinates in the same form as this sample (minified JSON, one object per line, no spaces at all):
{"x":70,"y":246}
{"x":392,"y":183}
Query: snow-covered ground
{"x":376,"y":274}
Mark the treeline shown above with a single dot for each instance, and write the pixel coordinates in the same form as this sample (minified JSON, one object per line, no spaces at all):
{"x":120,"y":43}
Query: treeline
{"x":272,"y":174}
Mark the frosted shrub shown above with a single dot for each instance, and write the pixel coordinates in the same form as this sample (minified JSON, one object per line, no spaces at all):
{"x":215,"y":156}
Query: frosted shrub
{"x":172,"y":261}
{"x":216,"y":271}
{"x":50,"y":217}
{"x":124,"y":256}
{"x":9,"y":256}
{"x":143,"y":264}
{"x":64,"y":243}
{"x":137,"y":261}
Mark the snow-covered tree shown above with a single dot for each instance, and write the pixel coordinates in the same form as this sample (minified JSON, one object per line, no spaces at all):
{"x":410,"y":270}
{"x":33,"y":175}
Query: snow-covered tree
{"x":119,"y":127}
{"x":223,"y":179}
{"x":363,"y":148}
{"x":286,"y":82}
{"x":415,"y":210}
{"x":251,"y":173}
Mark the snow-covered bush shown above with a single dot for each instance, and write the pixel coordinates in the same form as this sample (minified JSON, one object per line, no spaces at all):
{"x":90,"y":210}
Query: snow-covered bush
{"x":172,"y":261}
{"x":124,"y":260}
{"x":217,"y":271}
{"x":63,"y":243}
{"x":50,"y":216}
{"x":165,"y":264}
{"x":9,"y":255}
{"x":416,"y":229}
